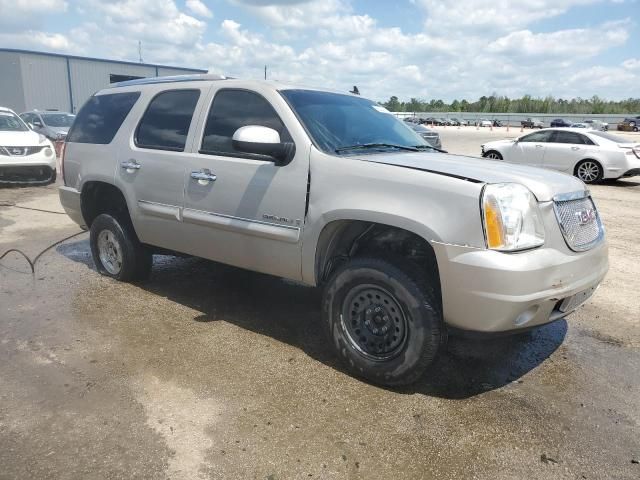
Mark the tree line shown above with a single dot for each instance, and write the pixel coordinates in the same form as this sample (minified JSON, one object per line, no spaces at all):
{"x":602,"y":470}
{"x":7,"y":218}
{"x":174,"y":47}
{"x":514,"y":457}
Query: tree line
{"x":528,"y":104}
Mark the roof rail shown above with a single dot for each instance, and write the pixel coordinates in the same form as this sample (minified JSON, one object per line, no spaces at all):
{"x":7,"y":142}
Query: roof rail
{"x":169,"y":79}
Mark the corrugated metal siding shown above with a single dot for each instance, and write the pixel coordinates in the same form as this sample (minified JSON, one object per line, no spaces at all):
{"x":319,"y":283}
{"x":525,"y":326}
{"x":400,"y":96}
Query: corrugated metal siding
{"x":11,"y":92}
{"x":44,"y":80}
{"x":87,"y":77}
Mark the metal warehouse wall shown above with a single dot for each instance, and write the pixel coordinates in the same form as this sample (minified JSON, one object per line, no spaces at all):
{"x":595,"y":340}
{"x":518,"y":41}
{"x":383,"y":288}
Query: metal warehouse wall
{"x":11,"y":92}
{"x":89,"y":76}
{"x":32,"y":80}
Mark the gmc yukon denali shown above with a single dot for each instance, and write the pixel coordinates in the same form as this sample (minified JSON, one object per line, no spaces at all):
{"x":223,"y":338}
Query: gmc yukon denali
{"x":329,"y":189}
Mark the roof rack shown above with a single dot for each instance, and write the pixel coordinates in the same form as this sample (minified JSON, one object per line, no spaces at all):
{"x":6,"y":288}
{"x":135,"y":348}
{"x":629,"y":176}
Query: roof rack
{"x":170,"y":79}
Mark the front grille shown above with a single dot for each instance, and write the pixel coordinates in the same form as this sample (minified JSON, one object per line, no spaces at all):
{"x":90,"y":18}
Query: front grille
{"x":20,"y":151}
{"x":25,"y":174}
{"x":580,"y":222}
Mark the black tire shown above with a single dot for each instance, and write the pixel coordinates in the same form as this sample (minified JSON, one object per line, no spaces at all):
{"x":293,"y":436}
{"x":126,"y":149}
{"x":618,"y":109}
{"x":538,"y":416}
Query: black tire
{"x":589,"y":171}
{"x":416,"y":317}
{"x":497,"y":156}
{"x":130,"y":259}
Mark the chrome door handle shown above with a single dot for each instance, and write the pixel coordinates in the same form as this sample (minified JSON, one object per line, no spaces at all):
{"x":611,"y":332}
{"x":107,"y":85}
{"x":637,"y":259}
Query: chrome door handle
{"x":130,"y":165}
{"x":575,"y":148}
{"x":203,"y":176}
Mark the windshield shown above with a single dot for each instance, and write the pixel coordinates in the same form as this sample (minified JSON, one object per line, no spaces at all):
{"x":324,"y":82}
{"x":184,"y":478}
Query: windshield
{"x":611,"y":137}
{"x":58,"y":119}
{"x":337,"y":121}
{"x":10,"y":122}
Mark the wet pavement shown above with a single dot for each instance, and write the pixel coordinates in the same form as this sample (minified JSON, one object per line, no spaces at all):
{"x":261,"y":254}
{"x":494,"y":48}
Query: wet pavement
{"x":207,"y":371}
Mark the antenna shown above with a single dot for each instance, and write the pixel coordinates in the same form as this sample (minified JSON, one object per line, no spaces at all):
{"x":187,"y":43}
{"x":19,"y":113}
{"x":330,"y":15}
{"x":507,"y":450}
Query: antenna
{"x":265,"y":72}
{"x":140,"y":51}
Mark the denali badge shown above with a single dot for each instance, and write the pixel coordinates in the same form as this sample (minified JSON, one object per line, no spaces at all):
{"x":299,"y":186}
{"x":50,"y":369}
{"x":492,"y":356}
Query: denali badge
{"x":586,"y":216}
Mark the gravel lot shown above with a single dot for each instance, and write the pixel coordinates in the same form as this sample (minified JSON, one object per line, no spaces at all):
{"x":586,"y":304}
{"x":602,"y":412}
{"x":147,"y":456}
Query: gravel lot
{"x":207,"y":371}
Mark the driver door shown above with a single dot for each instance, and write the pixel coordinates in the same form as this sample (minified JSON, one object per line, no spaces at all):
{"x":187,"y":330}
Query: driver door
{"x":240,"y":208}
{"x":530,"y":149}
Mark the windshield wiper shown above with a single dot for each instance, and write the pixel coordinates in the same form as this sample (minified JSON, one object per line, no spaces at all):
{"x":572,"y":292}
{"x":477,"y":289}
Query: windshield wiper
{"x":366,"y":146}
{"x":430,"y":147}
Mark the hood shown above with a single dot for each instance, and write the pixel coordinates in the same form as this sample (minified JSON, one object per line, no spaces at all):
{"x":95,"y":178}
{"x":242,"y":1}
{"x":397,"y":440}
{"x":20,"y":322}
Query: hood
{"x":544,"y":184}
{"x":20,"y":139}
{"x":56,"y":130}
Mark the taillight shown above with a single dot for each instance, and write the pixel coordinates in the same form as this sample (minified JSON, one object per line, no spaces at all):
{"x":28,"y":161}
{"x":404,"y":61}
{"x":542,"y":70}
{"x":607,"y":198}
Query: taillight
{"x":62,"y":150}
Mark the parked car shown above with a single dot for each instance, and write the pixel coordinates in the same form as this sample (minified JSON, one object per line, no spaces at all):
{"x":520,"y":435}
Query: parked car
{"x":51,"y":123}
{"x":579,"y":125}
{"x":560,"y":122}
{"x":432,"y":121}
{"x":460,"y":122}
{"x":414,"y":120}
{"x":428,"y":134}
{"x":483,"y":122}
{"x":496,"y":122}
{"x":590,"y":155}
{"x":597,"y":125}
{"x":630,"y":124}
{"x":454,"y":122}
{"x":25,"y":156}
{"x":532,"y":123}
{"x":329,"y":189}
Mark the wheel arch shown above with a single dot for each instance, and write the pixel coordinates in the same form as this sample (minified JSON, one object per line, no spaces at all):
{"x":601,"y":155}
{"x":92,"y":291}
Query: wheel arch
{"x":346,"y":238}
{"x":97,"y":197}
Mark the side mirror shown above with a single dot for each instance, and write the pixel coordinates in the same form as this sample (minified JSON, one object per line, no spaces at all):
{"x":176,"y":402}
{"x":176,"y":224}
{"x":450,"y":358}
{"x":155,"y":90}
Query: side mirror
{"x":263,"y":141}
{"x":30,"y":125}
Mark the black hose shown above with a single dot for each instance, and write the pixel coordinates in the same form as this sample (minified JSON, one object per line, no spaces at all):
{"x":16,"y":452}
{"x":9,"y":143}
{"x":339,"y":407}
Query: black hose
{"x":32,"y":263}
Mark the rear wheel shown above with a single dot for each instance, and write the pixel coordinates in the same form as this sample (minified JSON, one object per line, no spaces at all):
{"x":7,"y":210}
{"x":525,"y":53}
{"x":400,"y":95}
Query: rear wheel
{"x":383,"y":320}
{"x":589,"y":171}
{"x":493,"y":155}
{"x":116,"y":250}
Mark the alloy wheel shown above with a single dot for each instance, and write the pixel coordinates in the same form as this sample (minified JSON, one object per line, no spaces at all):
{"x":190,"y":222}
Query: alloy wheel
{"x":589,"y":171}
{"x":110,"y":252}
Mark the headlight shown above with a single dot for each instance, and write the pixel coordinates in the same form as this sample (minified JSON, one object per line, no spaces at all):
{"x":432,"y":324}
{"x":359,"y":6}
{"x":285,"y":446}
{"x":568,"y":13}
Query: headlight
{"x":48,"y":152}
{"x":512,"y":219}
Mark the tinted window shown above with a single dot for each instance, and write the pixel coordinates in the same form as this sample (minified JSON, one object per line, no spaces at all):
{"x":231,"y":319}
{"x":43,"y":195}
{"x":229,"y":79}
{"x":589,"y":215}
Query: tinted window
{"x":232,"y":109}
{"x":537,"y":136}
{"x":100,"y":118}
{"x":611,"y":137}
{"x":165,"y":124}
{"x":571,"y":137}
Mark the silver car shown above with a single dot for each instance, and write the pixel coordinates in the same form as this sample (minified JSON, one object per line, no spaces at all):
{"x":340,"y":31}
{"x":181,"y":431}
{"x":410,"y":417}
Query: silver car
{"x":408,"y":244}
{"x":428,"y":134}
{"x":51,"y":123}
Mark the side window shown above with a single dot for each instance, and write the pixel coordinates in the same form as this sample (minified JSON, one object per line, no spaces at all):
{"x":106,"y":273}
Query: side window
{"x":584,"y":139}
{"x":543,"y":136}
{"x":232,"y":109}
{"x":165,"y":124}
{"x":562,"y":136}
{"x":100,"y":118}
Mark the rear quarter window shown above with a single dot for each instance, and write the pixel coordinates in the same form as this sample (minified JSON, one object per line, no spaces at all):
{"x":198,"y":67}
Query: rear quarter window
{"x":101,"y":117}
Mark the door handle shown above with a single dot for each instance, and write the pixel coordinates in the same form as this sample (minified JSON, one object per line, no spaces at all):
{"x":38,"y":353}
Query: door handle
{"x":130,"y":165}
{"x":203,"y":176}
{"x":539,"y":146}
{"x":575,"y":148}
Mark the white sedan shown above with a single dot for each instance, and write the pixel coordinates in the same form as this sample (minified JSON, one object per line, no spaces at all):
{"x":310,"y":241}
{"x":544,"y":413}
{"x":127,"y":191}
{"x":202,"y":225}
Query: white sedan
{"x":25,"y":156}
{"x":590,"y":155}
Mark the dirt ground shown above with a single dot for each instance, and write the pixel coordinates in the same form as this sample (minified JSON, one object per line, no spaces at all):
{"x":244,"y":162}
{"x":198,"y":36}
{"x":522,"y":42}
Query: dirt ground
{"x":206,"y":371}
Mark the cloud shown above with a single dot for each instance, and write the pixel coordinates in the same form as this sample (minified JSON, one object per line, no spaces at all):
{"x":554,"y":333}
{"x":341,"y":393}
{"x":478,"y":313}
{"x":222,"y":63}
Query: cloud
{"x":20,"y":15}
{"x":198,"y":8}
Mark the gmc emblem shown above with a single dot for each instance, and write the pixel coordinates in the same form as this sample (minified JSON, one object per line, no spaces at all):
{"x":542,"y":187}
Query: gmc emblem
{"x":586,"y":216}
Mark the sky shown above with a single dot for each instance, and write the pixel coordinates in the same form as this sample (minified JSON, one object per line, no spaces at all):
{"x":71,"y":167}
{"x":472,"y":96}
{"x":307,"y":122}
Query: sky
{"x":426,"y":49}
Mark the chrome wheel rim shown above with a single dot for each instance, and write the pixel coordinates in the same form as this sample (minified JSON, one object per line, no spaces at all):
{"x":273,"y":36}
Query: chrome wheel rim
{"x":374,"y":323}
{"x":493,"y":156}
{"x":110,"y":252}
{"x":588,"y":171}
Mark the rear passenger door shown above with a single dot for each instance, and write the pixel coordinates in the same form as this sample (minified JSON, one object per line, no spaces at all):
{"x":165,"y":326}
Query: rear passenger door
{"x":151,"y":165}
{"x":565,"y":149}
{"x":251,"y":215}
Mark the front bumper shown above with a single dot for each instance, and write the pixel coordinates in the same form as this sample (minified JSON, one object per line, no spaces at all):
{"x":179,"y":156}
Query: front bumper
{"x":489,"y":291}
{"x":37,"y":168}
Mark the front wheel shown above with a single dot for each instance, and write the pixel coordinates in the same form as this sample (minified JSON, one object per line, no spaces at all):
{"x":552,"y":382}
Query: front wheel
{"x":383,"y":320}
{"x":116,"y":250}
{"x":589,"y":171}
{"x":493,"y":155}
